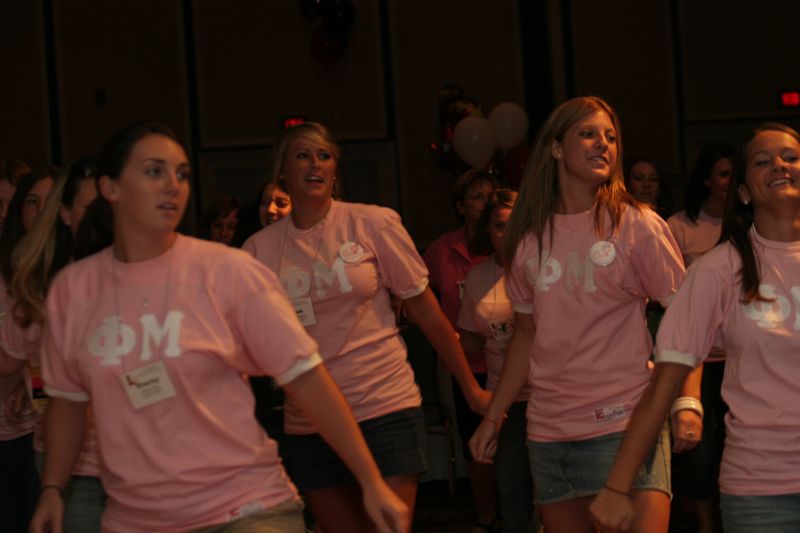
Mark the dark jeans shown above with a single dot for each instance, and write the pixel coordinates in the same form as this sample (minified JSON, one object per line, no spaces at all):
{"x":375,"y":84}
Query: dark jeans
{"x":19,"y":484}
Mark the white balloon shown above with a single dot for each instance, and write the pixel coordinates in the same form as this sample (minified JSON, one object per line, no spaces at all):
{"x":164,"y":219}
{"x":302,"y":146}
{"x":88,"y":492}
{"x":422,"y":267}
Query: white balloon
{"x":474,"y":141}
{"x":510,"y":122}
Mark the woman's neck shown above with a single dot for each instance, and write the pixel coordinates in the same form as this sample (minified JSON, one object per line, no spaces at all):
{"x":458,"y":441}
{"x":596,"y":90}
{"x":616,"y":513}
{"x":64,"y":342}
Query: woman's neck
{"x":777,"y":225}
{"x":306,"y":215}
{"x":714,"y":207}
{"x":498,"y":258}
{"x":132,"y":248}
{"x":575,"y":198}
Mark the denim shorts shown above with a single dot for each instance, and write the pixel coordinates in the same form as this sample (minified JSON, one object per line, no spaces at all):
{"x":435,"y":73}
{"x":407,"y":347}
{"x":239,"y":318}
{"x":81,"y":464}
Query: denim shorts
{"x":286,"y":517}
{"x":396,"y":440}
{"x":566,"y":470}
{"x":760,"y":514}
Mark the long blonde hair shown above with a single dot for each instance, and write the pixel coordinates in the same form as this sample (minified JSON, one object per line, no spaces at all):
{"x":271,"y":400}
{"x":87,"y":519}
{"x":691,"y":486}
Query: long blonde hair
{"x":33,"y":258}
{"x":48,"y":246}
{"x":538,"y":194}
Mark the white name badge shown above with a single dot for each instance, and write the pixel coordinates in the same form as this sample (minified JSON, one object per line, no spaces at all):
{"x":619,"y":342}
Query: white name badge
{"x":501,"y":331}
{"x":305,"y":311}
{"x":148,"y":385}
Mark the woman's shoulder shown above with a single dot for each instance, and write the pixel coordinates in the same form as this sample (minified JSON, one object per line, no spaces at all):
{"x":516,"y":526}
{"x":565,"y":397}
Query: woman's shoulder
{"x":723,"y":259}
{"x":374,"y":214}
{"x":642,"y":218}
{"x":679,"y":219}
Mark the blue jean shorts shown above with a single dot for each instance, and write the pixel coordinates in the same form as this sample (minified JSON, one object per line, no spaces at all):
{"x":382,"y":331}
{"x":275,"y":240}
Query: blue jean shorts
{"x":396,"y":440}
{"x":760,"y":514}
{"x":566,"y":470}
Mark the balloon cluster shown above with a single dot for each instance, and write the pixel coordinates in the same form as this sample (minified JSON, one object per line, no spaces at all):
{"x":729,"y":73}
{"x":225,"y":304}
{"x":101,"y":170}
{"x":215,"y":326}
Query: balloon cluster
{"x":469,"y":140}
{"x":475,"y":139}
{"x":329,"y":41}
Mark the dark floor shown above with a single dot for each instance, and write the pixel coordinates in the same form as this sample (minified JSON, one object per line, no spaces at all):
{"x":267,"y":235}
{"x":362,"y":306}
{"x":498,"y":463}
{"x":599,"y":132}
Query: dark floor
{"x":437,"y":511}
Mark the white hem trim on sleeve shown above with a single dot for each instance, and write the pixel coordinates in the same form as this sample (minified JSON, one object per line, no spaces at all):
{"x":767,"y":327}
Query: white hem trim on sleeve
{"x":674,"y":356}
{"x":11,"y":353}
{"x":415,"y":291}
{"x":300,"y":367}
{"x":524,"y":309}
{"x":71,"y":396}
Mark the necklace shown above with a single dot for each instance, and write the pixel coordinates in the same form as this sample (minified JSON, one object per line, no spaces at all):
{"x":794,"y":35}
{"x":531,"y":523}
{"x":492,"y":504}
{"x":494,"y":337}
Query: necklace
{"x":320,"y":225}
{"x":145,"y":299}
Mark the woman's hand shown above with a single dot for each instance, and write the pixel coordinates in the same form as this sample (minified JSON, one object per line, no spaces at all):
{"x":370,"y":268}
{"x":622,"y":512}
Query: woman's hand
{"x":49,"y":512}
{"x":687,"y":430}
{"x":612,"y":512}
{"x":386,"y":510}
{"x":483,"y":443}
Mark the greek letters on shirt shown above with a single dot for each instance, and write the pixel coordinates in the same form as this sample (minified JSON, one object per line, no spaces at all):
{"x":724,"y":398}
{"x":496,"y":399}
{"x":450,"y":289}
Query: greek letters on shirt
{"x":298,"y":281}
{"x":771,"y":314}
{"x":114,"y":339}
{"x":577,"y":273}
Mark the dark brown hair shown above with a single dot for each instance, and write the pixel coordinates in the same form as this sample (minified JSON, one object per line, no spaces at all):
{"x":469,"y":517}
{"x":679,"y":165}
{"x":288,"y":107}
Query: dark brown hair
{"x":739,"y":219}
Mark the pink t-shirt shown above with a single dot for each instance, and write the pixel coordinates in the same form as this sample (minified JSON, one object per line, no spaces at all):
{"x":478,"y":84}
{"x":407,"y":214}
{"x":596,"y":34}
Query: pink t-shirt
{"x":339,"y":274}
{"x":486,"y":310}
{"x":11,"y":430}
{"x":25,"y":344}
{"x":762,"y":342}
{"x":695,"y":239}
{"x":449,"y":261}
{"x":197,"y":319}
{"x":588,"y":359}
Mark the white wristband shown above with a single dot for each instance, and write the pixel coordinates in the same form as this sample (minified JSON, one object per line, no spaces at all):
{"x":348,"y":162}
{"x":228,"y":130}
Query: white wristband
{"x":686,"y":403}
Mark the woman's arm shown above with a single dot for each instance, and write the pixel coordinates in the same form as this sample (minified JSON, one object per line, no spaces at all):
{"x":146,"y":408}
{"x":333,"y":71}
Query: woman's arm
{"x":470,"y":341}
{"x":513,"y":377}
{"x":424,"y":311}
{"x":10,"y":365}
{"x":63,"y":435}
{"x":323,"y":404}
{"x":612,"y":509}
{"x":686,"y":424}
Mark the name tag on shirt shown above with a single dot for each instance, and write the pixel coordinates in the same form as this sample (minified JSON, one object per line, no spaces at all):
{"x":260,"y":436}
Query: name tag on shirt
{"x":609,"y":414}
{"x":148,"y":385}
{"x":305,"y":311}
{"x":501,"y":331}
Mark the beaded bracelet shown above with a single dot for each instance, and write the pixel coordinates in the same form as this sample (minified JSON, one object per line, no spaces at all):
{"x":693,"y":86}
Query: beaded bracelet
{"x":497,"y":424}
{"x":686,"y":403}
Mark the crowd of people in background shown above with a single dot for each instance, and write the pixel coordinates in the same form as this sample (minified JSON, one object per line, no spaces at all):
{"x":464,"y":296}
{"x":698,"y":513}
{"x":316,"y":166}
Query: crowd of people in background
{"x":608,"y":350}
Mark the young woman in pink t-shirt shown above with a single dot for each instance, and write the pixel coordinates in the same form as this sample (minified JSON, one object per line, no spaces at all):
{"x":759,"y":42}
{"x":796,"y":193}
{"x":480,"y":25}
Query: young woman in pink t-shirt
{"x":45,"y":250}
{"x":582,"y":259}
{"x":339,"y":263}
{"x":19,"y":480}
{"x":158,"y":331}
{"x":744,"y":295}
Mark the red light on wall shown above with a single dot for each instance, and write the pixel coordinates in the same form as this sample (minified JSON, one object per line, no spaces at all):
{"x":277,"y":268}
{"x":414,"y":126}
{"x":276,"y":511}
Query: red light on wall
{"x":790,"y":99}
{"x":290,"y":122}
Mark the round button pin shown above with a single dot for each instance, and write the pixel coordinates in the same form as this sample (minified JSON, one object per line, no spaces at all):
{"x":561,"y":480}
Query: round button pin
{"x":351,"y":252}
{"x":602,"y":253}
